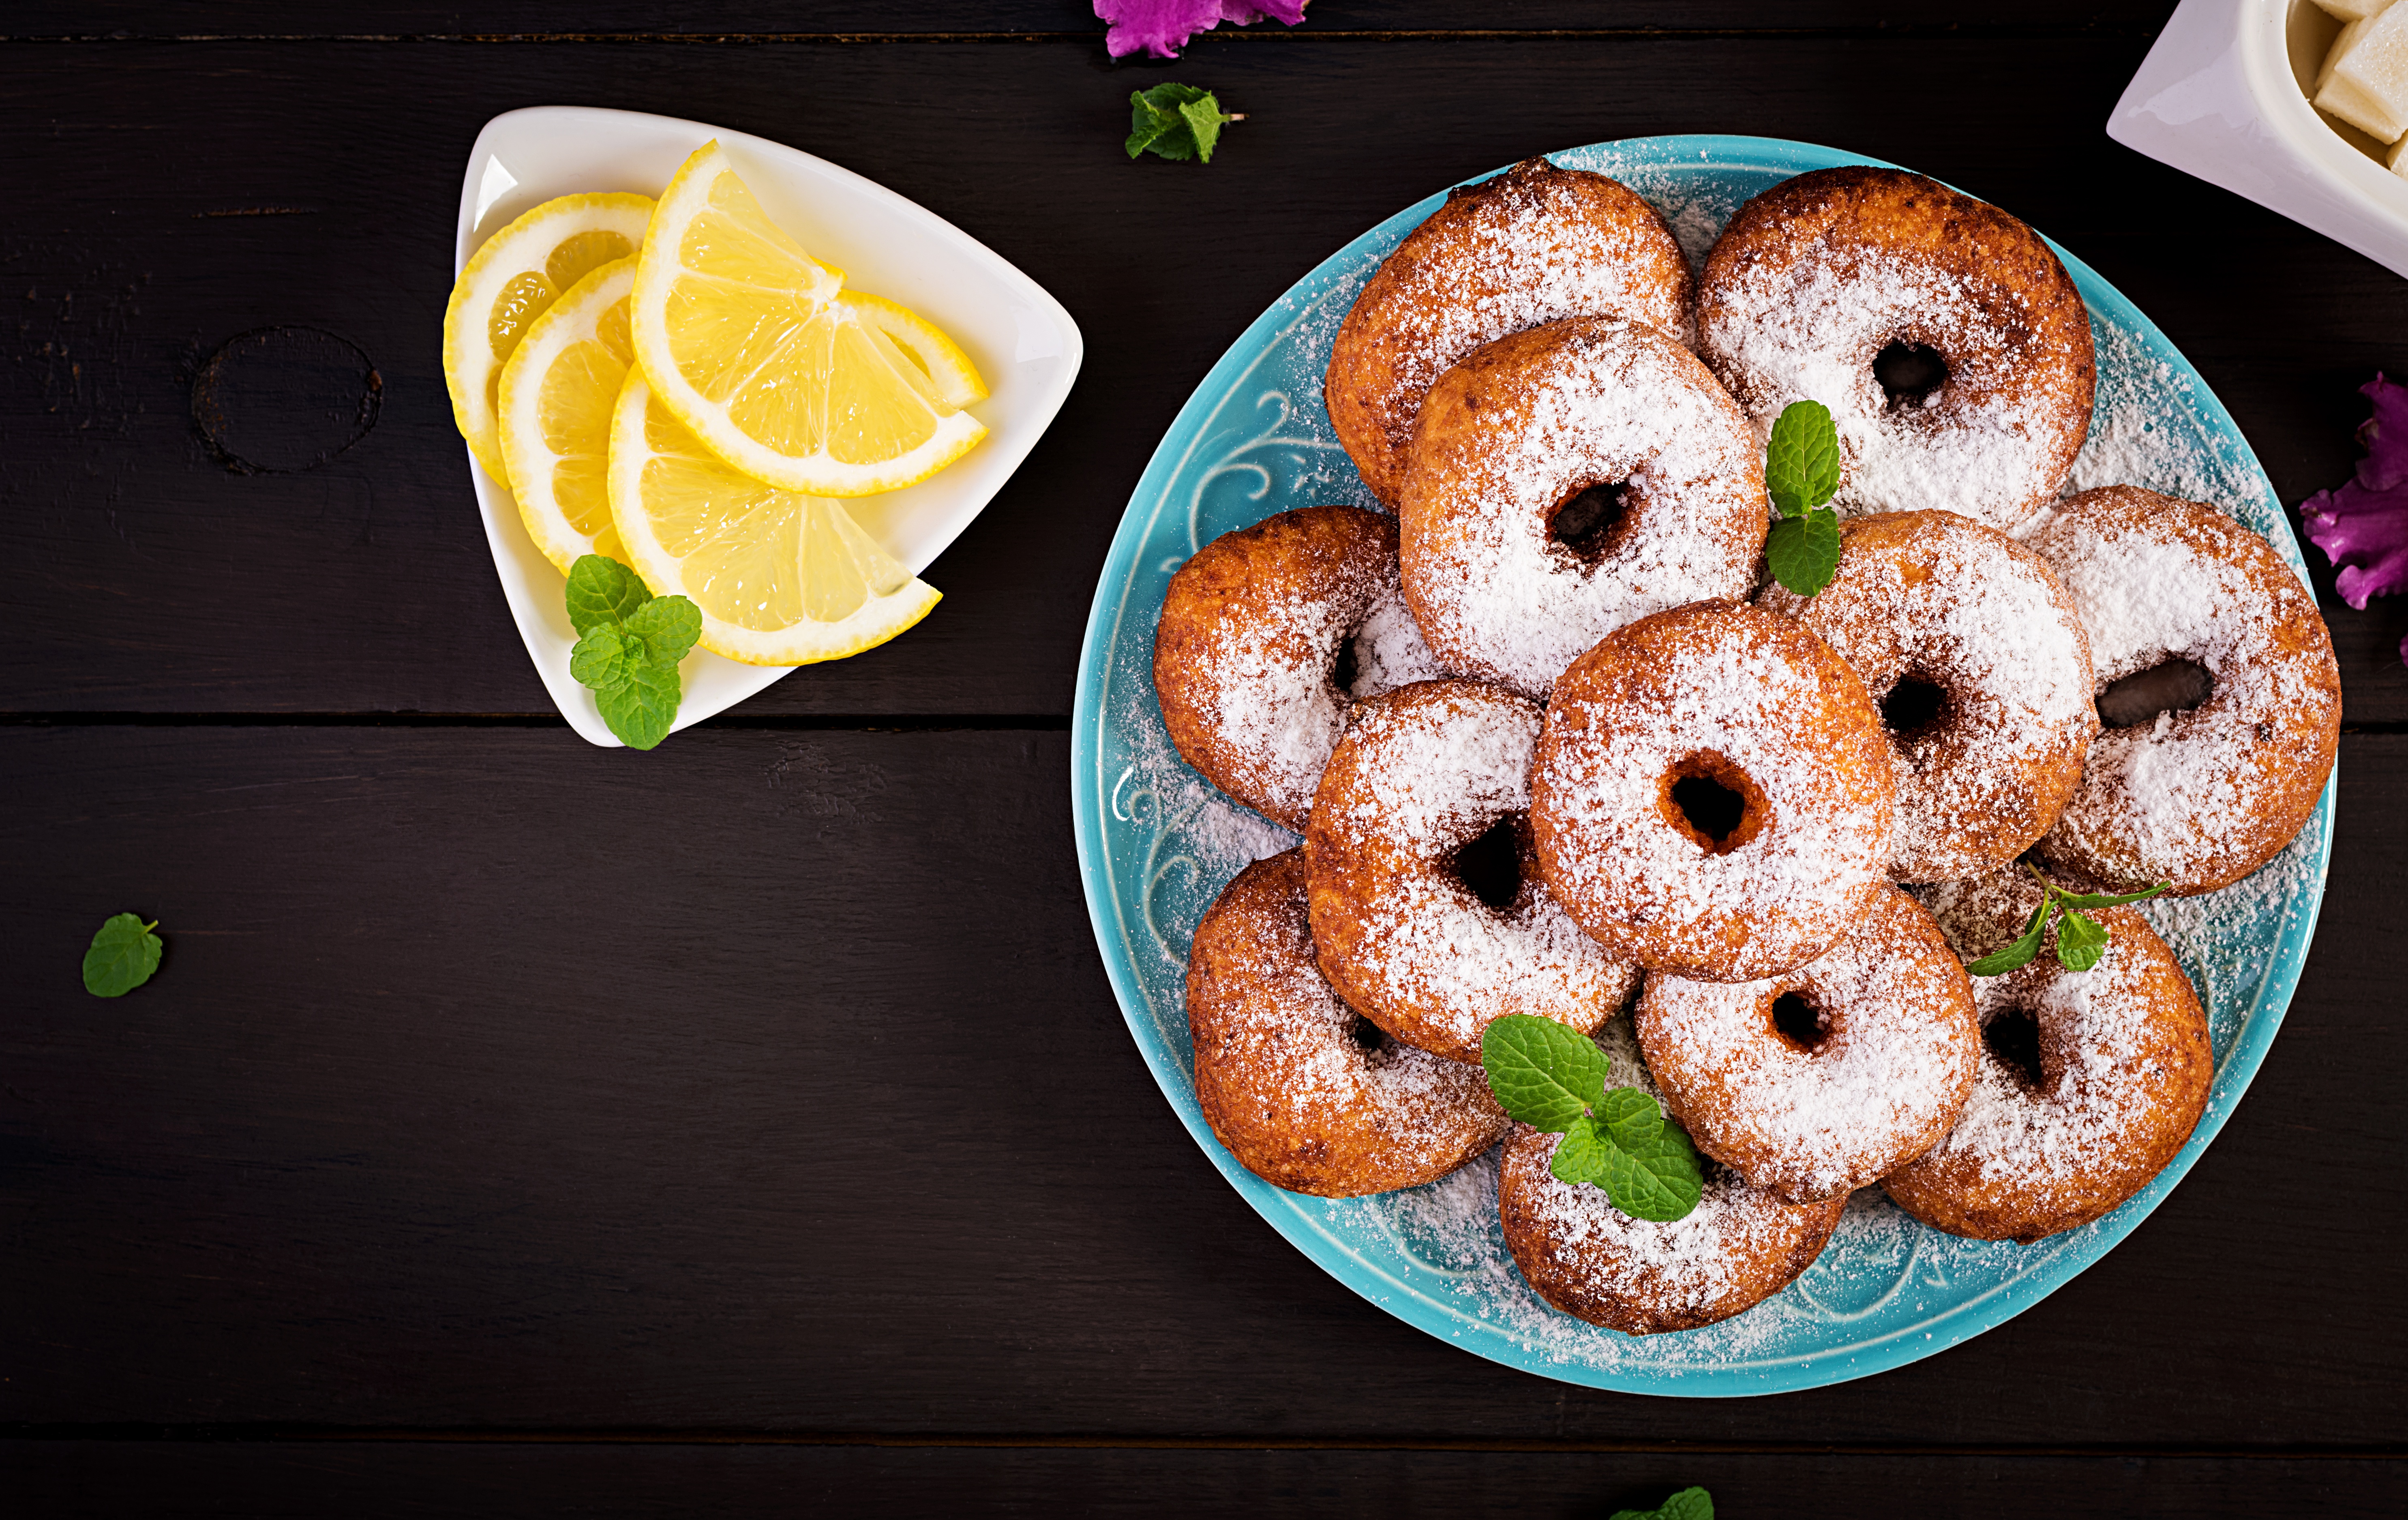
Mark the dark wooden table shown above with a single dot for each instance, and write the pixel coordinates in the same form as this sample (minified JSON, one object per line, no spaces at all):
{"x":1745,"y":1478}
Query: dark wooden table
{"x":747,"y":1127}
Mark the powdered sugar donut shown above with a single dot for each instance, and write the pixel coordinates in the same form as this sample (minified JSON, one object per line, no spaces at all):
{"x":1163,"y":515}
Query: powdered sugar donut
{"x":1303,"y":1093}
{"x":1821,"y":1081}
{"x":1428,"y":911}
{"x":1565,"y":480}
{"x":2203,"y":796}
{"x":1712,"y":794}
{"x":1267,"y":636}
{"x":1529,"y":246}
{"x":2092,"y":1082}
{"x":1949,"y":343}
{"x":1983,"y":671}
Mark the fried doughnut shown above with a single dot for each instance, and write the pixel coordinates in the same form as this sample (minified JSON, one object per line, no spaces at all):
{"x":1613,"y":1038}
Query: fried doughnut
{"x":1267,"y":636}
{"x":1303,"y":1092}
{"x":1739,"y":1245}
{"x":1821,"y":1081}
{"x":1950,"y":344}
{"x":1983,"y":671}
{"x":1712,"y":794}
{"x":2197,"y":797}
{"x":2092,"y":1082}
{"x":1430,"y":786}
{"x":1529,"y":246}
{"x":1565,"y":480}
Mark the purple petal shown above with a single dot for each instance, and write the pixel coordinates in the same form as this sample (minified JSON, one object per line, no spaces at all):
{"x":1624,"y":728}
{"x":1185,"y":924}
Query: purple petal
{"x":1162,"y":27}
{"x":2362,"y":525}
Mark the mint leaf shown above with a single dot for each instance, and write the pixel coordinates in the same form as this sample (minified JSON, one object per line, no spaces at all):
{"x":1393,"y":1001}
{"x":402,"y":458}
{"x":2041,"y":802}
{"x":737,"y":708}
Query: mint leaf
{"x":666,"y":628}
{"x":1546,"y":1074}
{"x":1804,"y":552}
{"x":1580,"y":1155}
{"x":1660,"y":1179}
{"x":1630,"y":1117}
{"x":1176,"y":121}
{"x":2095,"y":899}
{"x":640,"y":707}
{"x":1689,"y":1504}
{"x":121,"y":956}
{"x":1801,"y":461}
{"x":2027,"y":945}
{"x":600,"y":657}
{"x":601,"y":590}
{"x":2081,"y":940}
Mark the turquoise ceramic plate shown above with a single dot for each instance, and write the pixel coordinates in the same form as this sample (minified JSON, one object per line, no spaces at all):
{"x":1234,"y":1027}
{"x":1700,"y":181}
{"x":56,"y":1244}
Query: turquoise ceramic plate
{"x":1157,"y":844}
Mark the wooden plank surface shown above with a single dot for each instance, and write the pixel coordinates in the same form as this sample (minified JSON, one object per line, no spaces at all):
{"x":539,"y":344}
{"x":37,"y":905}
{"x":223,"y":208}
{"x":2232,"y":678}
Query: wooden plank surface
{"x":774,"y":1086}
{"x":358,"y":1479}
{"x":177,"y":196}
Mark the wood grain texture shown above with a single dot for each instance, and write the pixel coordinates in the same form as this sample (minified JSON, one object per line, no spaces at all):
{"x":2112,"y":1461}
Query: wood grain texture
{"x":769,"y":1082}
{"x":175,"y":195}
{"x":369,"y":1480}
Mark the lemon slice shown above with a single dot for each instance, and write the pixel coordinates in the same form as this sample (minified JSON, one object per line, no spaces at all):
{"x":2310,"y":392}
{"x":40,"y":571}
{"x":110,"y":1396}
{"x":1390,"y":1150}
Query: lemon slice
{"x":556,"y":398}
{"x":510,"y":282}
{"x":743,"y":337}
{"x":781,"y":577}
{"x":927,"y":353}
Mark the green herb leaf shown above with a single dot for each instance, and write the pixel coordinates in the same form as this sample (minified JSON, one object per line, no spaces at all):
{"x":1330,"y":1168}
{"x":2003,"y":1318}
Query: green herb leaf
{"x":1801,"y":461}
{"x":2095,"y":899}
{"x":1689,"y":1504}
{"x":1630,"y":1117}
{"x":121,"y":956}
{"x":1660,"y":1179}
{"x":1545,"y":1074}
{"x":629,"y":645}
{"x":1581,"y":1155}
{"x":2027,"y":945}
{"x":1804,"y":552}
{"x":1176,"y":122}
{"x":2081,"y":940}
{"x":601,"y":590}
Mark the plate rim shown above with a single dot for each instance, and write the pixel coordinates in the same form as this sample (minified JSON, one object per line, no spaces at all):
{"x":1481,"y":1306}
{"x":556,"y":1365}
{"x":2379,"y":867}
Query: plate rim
{"x":1446,"y":1322}
{"x":574,"y":703}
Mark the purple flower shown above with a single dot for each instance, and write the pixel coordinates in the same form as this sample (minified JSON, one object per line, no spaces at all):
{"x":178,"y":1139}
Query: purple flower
{"x":2362,"y":525}
{"x":1162,"y":27}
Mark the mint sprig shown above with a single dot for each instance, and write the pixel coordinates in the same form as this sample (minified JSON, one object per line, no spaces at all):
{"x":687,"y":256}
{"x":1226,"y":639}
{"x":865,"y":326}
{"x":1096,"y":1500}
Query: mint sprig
{"x":1176,"y":122}
{"x":2081,"y":940}
{"x":1552,"y":1077}
{"x":123,"y":956}
{"x":1689,"y":1504}
{"x":628,"y":645}
{"x":1802,"y":472}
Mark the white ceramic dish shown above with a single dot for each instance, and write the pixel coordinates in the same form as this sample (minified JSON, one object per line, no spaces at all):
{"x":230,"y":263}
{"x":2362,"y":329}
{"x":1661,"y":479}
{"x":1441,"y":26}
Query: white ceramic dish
{"x":1022,"y":341}
{"x":2220,"y":97}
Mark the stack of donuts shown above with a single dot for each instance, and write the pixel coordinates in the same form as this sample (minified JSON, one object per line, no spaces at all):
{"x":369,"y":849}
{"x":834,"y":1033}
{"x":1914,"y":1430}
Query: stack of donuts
{"x":1558,"y":746}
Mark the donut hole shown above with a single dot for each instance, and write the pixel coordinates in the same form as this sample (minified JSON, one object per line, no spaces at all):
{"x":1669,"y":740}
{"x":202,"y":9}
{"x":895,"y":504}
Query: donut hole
{"x":1798,"y":1022}
{"x":1491,"y":865}
{"x":1915,"y":707}
{"x":1587,"y":522}
{"x":2013,"y":1039}
{"x":1348,"y":669}
{"x":1368,"y":1037}
{"x":2175,"y":686}
{"x":1712,"y":802}
{"x":1909,"y":374}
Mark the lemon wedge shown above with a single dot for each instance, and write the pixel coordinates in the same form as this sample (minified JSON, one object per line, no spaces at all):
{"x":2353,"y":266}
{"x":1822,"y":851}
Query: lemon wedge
{"x":745,"y":339}
{"x":557,"y":394}
{"x":781,"y":577}
{"x":512,"y":280}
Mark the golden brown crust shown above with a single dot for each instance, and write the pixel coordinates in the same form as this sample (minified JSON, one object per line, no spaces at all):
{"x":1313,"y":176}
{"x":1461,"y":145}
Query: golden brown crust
{"x":1522,"y":428}
{"x":1712,"y":695}
{"x":1815,"y":277}
{"x":1423,"y":773}
{"x":2198,"y":798}
{"x":1246,"y":651}
{"x":1282,"y":1076}
{"x":1529,"y":246}
{"x":1939,"y":600}
{"x":2125,"y":1065}
{"x":1739,"y":1246}
{"x":1879,"y":1084}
